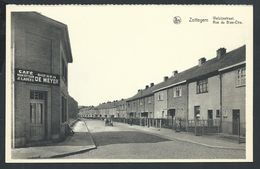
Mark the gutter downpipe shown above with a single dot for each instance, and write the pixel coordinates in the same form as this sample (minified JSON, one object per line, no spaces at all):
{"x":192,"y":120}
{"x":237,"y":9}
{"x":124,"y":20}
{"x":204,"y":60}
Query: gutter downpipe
{"x":221,"y":107}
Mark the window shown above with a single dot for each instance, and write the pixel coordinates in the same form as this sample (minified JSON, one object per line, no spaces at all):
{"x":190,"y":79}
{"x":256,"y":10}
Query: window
{"x":64,"y":70}
{"x":177,"y":91}
{"x":63,"y":109}
{"x":141,"y":102}
{"x":149,"y":100}
{"x":217,"y":113}
{"x":37,"y":95}
{"x":202,"y":86}
{"x":36,"y":113}
{"x":241,"y":77}
{"x":160,"y":96}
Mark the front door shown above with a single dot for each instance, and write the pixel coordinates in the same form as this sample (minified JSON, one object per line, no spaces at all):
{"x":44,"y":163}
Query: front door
{"x":236,"y":121}
{"x":37,"y":120}
{"x":196,"y":112}
{"x":210,"y":118}
{"x":171,"y":115}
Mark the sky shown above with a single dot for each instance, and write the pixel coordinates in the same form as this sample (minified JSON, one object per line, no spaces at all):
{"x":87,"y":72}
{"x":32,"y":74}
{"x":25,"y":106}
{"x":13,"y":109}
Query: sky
{"x":119,"y":49}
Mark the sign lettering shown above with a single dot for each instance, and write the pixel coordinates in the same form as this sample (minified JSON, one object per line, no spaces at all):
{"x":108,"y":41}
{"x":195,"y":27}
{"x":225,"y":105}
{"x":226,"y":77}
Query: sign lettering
{"x":36,"y":77}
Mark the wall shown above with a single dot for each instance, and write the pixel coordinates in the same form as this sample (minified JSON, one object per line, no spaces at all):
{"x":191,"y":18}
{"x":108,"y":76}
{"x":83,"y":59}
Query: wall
{"x":180,"y":104}
{"x":133,"y":107}
{"x":160,"y":105}
{"x":73,"y":107}
{"x":233,"y":97}
{"x":37,"y":47}
{"x":141,"y":105}
{"x":206,"y":101}
{"x":149,"y":107}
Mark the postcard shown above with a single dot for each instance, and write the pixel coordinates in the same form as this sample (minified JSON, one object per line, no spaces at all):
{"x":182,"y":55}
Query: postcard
{"x":129,"y":83}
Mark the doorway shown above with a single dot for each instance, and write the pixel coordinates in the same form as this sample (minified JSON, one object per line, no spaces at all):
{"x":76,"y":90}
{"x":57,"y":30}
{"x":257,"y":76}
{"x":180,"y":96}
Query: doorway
{"x":236,"y":122}
{"x":210,"y":118}
{"x":170,"y":116}
{"x":37,"y":120}
{"x":196,"y":112}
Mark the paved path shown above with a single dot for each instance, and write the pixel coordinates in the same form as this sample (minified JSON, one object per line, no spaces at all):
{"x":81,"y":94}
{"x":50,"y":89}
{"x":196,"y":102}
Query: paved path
{"x":133,"y":142}
{"x":81,"y":141}
{"x":213,"y":141}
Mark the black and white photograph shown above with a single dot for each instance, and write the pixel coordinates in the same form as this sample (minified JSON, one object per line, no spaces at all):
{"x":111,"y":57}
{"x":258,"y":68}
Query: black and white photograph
{"x":129,"y":83}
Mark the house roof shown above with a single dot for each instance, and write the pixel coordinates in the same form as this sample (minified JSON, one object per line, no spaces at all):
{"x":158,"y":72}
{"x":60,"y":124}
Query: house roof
{"x":142,"y":93}
{"x":211,"y":66}
{"x":107,"y":105}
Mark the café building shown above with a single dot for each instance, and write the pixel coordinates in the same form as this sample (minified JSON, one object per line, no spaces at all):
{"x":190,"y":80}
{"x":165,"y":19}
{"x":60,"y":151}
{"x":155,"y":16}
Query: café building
{"x":40,"y":55}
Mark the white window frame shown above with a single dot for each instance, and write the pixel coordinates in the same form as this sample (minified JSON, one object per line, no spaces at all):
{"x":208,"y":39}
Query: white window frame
{"x":160,"y":96}
{"x":179,"y":88}
{"x":149,"y":100}
{"x":241,"y":77}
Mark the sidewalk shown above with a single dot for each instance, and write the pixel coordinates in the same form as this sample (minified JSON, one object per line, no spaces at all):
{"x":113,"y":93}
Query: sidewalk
{"x":211,"y":141}
{"x":81,"y":141}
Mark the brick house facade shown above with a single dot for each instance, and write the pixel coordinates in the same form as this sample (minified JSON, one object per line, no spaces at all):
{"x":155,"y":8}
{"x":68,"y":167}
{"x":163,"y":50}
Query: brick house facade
{"x":41,"y":52}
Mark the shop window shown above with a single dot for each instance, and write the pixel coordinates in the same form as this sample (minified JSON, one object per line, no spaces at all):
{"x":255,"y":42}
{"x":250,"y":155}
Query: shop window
{"x":177,"y":91}
{"x":241,"y":77}
{"x":64,"y":109}
{"x":202,"y":86}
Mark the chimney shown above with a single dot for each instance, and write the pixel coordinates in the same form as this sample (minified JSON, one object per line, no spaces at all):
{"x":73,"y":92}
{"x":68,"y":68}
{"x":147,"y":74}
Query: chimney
{"x":139,"y":90}
{"x":151,"y":84}
{"x":165,"y":78}
{"x":202,"y":61}
{"x":221,"y":52}
{"x":147,"y":86}
{"x":174,"y":73}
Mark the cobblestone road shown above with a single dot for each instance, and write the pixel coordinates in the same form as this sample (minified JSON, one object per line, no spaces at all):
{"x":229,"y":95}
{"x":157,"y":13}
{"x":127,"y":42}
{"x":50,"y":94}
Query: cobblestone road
{"x":122,"y":141}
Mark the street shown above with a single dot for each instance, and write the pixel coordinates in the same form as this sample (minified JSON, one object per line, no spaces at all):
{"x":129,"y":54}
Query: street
{"x":123,"y":141}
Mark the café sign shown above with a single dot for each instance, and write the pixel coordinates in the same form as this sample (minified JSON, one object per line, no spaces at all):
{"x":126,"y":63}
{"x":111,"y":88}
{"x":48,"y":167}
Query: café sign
{"x":36,"y":77}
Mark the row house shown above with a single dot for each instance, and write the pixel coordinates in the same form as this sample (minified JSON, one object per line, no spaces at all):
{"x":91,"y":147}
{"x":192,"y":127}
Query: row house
{"x":211,"y":90}
{"x":121,"y":109}
{"x":171,"y":96}
{"x":217,"y":90}
{"x":142,"y":104}
{"x":109,"y":109}
{"x":86,"y":111}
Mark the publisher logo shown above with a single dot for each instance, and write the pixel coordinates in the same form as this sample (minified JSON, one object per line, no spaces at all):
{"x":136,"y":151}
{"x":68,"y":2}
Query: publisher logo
{"x":177,"y":20}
